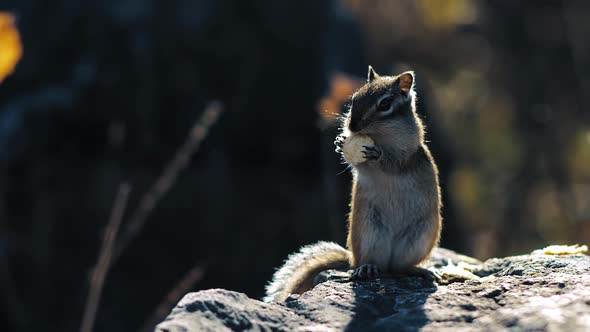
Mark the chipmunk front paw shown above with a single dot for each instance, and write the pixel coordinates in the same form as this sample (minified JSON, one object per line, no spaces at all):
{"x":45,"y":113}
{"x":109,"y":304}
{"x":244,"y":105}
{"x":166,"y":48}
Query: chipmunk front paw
{"x":365,"y":271}
{"x":351,"y":147}
{"x":371,"y":152}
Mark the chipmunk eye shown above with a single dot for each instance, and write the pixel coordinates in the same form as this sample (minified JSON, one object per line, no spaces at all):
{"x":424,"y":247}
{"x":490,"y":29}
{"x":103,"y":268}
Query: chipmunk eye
{"x":384,"y":104}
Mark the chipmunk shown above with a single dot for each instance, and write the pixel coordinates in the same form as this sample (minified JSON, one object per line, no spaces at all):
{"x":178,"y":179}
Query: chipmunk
{"x":394,"y":220}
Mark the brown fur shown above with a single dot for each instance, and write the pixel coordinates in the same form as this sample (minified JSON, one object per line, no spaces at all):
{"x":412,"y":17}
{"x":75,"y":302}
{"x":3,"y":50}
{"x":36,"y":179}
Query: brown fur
{"x":395,"y":203}
{"x":298,"y":273}
{"x":437,"y":228}
{"x":394,"y":220}
{"x":304,"y":279}
{"x":355,"y":224}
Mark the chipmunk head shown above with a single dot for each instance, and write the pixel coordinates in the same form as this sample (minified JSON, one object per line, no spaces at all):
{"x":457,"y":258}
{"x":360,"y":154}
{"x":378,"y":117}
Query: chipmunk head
{"x":384,"y":109}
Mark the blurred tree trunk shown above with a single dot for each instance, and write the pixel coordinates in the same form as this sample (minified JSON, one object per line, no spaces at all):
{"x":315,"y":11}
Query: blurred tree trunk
{"x":537,"y":69}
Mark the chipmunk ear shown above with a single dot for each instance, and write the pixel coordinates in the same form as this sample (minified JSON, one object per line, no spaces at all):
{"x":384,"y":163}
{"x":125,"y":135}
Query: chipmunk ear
{"x":406,"y":81}
{"x":372,"y":74}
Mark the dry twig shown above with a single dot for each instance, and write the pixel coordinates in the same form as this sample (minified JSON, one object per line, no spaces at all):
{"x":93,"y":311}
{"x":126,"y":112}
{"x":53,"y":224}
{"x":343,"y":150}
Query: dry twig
{"x":182,"y":287}
{"x":168,"y":177}
{"x":104,"y":260}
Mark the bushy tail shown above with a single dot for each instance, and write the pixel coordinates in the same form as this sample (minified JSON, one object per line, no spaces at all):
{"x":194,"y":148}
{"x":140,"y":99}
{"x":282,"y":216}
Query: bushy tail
{"x":299,"y":271}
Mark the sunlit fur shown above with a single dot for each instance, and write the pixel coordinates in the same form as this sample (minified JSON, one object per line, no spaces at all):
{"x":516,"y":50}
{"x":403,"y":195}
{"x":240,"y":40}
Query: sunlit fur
{"x":299,"y":271}
{"x":395,"y":208}
{"x":401,"y":134}
{"x":394,"y":221}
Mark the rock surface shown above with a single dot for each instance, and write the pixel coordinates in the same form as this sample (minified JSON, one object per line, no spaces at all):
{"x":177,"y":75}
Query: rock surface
{"x":521,"y":293}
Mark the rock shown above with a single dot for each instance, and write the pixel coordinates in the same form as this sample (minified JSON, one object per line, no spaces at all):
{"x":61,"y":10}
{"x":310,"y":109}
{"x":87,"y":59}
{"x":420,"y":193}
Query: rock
{"x":520,"y":293}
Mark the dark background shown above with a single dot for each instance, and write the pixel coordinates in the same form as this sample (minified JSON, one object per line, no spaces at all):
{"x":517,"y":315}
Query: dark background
{"x":107,"y":91}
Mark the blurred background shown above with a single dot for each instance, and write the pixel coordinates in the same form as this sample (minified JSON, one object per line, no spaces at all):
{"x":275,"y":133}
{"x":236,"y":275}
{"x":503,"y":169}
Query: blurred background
{"x":109,"y":92}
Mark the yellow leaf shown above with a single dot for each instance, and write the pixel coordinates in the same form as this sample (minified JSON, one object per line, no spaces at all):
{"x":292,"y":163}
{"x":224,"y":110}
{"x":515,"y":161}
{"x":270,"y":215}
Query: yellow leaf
{"x":562,"y":250}
{"x":10,"y":45}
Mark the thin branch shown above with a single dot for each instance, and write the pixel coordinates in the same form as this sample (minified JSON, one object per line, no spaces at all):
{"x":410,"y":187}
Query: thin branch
{"x":104,"y":260}
{"x":168,"y":177}
{"x":193,"y":276}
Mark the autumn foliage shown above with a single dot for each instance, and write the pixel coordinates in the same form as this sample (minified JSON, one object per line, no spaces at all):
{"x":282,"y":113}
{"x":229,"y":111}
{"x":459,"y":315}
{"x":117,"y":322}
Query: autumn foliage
{"x":10,"y":45}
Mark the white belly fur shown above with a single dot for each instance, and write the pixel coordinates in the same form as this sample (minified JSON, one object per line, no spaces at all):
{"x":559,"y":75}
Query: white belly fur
{"x":401,"y":203}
